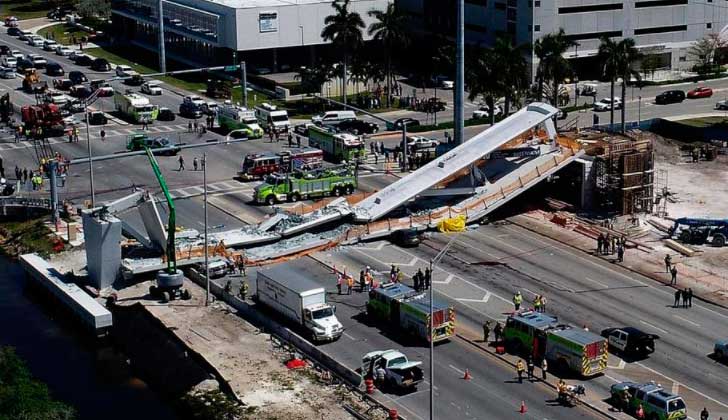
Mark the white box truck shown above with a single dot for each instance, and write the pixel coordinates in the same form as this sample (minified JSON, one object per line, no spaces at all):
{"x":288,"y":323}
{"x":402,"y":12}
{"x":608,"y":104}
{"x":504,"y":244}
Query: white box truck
{"x":299,"y":299}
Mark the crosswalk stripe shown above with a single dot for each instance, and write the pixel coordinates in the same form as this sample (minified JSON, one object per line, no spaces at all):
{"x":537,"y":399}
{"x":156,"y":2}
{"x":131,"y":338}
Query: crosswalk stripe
{"x":154,"y":129}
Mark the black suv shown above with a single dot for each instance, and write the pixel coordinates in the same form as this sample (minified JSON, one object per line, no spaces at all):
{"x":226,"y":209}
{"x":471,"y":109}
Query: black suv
{"x":101,"y":64}
{"x":4,"y":50}
{"x":24,"y":64}
{"x":670,"y":97}
{"x":83,"y":60}
{"x":76,"y":77}
{"x":14,"y":31}
{"x":355,"y":126}
{"x":54,"y":69}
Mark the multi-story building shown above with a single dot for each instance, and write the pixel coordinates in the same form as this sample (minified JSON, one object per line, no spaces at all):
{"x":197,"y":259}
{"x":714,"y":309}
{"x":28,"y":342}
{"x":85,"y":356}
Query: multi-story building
{"x":666,"y":28}
{"x":267,"y":33}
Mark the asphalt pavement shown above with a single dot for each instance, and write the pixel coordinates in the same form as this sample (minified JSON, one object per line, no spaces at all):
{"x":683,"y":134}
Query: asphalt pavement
{"x":487,"y":265}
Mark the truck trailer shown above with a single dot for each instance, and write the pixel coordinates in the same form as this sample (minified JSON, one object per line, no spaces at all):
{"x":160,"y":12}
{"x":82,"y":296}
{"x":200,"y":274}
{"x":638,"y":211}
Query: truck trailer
{"x":300,"y":300}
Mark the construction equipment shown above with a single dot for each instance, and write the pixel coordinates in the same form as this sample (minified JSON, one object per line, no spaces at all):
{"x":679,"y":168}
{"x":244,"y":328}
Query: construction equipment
{"x":32,"y":82}
{"x":409,"y":310}
{"x":567,"y":348}
{"x":170,"y":280}
{"x":45,"y":116}
{"x":300,"y":184}
{"x":700,"y":231}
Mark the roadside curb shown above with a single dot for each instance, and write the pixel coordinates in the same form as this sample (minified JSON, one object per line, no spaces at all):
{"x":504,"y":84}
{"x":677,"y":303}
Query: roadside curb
{"x":633,"y":270}
{"x":546,"y":382}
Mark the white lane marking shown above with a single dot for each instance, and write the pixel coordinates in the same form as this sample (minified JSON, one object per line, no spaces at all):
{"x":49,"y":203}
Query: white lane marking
{"x":596,"y":282}
{"x":349,"y":336}
{"x":676,"y":388}
{"x":620,"y":366}
{"x":455,"y":276}
{"x":683,"y":385}
{"x":462,"y":372}
{"x":652,"y":326}
{"x":483,"y":300}
{"x":686,"y":320}
{"x":565,"y":249}
{"x":446,"y":281}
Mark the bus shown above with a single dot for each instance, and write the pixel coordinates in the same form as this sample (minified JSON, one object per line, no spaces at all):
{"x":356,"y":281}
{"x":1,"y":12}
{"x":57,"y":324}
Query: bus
{"x":337,"y":147}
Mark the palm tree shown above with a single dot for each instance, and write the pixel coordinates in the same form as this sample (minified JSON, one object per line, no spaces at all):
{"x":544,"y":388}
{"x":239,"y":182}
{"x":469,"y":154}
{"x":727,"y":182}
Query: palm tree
{"x":344,"y":30}
{"x":610,"y":57}
{"x":390,"y":31}
{"x":511,"y":69}
{"x":480,"y":74}
{"x":552,"y":65}
{"x":628,"y":56}
{"x":313,"y":78}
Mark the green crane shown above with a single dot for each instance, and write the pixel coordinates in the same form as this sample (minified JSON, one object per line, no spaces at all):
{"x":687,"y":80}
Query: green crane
{"x":169,"y":281}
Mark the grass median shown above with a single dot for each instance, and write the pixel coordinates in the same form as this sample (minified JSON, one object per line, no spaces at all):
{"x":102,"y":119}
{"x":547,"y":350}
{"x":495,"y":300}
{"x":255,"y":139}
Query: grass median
{"x":62,"y":33}
{"x":24,"y":9}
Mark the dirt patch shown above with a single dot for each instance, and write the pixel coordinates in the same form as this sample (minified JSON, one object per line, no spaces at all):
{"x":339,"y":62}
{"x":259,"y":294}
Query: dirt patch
{"x":249,"y":361}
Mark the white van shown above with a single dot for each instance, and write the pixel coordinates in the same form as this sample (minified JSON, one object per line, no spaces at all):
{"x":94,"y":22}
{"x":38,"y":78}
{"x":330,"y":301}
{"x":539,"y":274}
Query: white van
{"x":9,"y":61}
{"x":333,"y":117}
{"x":270,"y":117}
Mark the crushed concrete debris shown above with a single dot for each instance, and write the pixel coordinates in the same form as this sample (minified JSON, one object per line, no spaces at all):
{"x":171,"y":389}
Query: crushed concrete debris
{"x":290,"y":245}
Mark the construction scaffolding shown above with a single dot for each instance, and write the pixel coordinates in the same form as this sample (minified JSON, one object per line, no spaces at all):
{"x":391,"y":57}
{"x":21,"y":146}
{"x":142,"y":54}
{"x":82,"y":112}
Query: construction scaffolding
{"x":625,"y":178}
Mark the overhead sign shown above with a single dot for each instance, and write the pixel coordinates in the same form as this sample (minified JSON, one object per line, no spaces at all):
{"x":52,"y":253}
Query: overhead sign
{"x":268,"y":21}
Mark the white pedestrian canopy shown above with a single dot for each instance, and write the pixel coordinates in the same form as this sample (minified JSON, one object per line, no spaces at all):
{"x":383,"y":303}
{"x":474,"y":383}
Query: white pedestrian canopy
{"x":445,"y":166}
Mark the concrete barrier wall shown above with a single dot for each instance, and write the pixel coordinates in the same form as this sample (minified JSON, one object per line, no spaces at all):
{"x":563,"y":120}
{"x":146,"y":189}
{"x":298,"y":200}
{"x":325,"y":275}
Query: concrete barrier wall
{"x":248,"y":312}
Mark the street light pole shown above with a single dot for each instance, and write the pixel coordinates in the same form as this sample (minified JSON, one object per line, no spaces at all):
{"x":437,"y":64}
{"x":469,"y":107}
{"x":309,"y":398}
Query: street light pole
{"x":434,"y":261}
{"x":207,"y":265}
{"x":90,"y":161}
{"x":460,"y":72}
{"x":639,"y":111}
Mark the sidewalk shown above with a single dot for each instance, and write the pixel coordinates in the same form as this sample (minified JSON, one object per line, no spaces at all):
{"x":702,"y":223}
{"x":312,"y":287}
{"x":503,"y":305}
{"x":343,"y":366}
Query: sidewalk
{"x":707,"y":286}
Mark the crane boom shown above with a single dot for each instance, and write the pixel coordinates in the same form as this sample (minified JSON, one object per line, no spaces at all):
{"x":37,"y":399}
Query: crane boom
{"x":171,"y":222}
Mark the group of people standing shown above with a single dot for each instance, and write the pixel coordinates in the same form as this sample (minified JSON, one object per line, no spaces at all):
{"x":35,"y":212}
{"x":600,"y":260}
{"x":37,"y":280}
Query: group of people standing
{"x":609,"y":245}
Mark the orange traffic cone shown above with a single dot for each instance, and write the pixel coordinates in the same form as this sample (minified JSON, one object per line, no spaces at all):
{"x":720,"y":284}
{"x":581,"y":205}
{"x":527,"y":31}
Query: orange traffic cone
{"x":467,"y":375}
{"x":523,"y":409}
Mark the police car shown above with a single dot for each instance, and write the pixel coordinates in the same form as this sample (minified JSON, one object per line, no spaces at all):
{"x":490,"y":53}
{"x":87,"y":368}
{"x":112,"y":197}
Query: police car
{"x":656,"y":403}
{"x":630,"y":341}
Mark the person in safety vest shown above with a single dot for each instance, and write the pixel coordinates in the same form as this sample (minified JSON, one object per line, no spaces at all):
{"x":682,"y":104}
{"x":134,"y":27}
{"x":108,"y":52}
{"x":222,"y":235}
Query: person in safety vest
{"x":517,"y":300}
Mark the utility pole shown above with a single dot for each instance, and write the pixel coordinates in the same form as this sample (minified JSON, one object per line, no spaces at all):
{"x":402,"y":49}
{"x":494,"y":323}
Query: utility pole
{"x":162,"y":53}
{"x":459,"y":72}
{"x":434,"y":261}
{"x":90,"y":161}
{"x":244,"y":82}
{"x":207,"y":261}
{"x":404,"y":146}
{"x":53,"y":168}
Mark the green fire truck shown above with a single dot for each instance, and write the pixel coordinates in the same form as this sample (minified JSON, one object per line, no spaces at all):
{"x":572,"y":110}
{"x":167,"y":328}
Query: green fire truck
{"x":337,"y":147}
{"x":301,"y":184}
{"x":566,"y":347}
{"x":409,"y":310}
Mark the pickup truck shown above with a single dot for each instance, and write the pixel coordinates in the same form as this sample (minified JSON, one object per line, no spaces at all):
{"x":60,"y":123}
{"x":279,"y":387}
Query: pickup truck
{"x":399,"y":372}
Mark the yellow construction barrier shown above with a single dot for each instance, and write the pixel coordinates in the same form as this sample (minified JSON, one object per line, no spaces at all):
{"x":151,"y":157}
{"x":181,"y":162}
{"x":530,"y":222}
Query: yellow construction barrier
{"x":455,"y":224}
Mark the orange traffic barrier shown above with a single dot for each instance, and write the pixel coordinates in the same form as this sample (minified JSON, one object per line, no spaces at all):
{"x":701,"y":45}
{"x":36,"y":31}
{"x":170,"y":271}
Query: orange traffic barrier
{"x":523,"y":408}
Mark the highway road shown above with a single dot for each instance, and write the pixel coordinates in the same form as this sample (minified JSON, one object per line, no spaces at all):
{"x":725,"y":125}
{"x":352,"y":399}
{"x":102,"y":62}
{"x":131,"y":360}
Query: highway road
{"x":486,"y":266}
{"x":492,"y":393}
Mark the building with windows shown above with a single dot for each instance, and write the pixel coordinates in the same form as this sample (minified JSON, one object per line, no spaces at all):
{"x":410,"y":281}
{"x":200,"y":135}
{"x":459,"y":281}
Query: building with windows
{"x":267,"y":33}
{"x":665,"y":28}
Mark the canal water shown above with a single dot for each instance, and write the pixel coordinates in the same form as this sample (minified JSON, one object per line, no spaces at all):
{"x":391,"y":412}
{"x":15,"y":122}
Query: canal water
{"x":95,"y":379}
